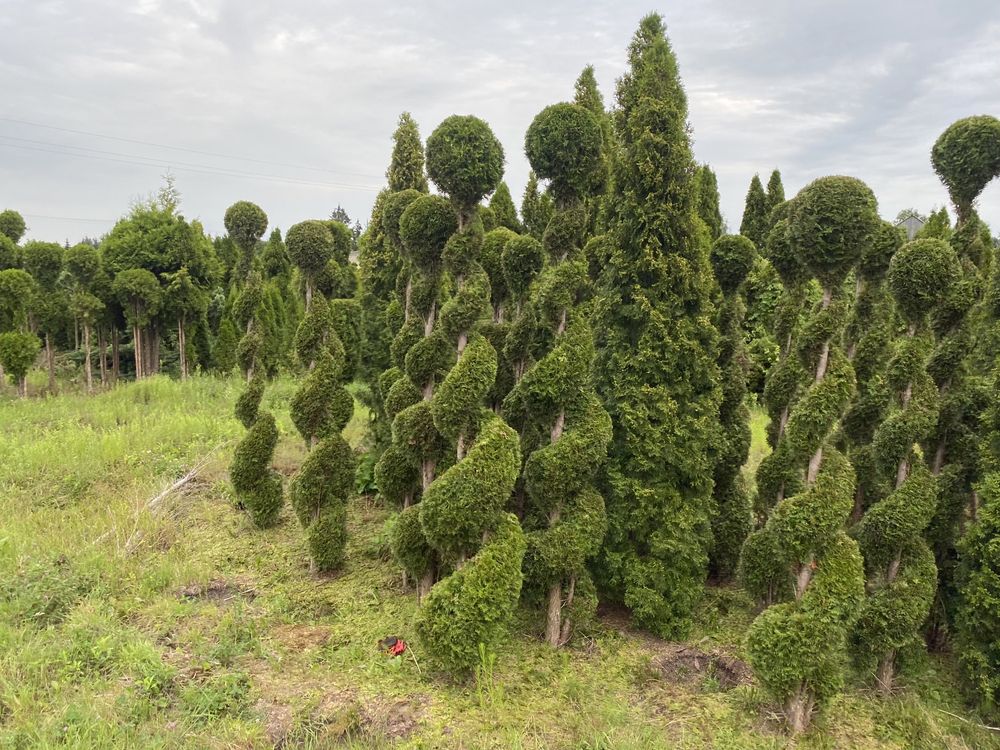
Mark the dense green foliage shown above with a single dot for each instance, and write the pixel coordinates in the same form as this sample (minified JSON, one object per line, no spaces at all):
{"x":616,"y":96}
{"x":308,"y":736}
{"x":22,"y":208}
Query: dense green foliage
{"x":657,"y":349}
{"x":756,"y":211}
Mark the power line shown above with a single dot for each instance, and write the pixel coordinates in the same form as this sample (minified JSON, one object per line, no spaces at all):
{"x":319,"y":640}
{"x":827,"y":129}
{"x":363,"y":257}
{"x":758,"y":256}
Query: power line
{"x":69,"y":218}
{"x":200,"y":169}
{"x":182,"y":148}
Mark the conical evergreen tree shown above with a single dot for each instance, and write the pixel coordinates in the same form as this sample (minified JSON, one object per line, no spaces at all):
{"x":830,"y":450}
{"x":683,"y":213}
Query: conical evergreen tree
{"x":536,"y":208}
{"x":797,"y":647}
{"x":406,"y":169}
{"x":504,"y":212}
{"x":656,"y":352}
{"x":775,"y":190}
{"x":755,"y":213}
{"x":708,"y":201}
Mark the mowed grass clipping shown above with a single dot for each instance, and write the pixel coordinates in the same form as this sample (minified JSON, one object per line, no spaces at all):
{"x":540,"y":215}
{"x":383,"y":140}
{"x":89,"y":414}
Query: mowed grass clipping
{"x":185,"y":627}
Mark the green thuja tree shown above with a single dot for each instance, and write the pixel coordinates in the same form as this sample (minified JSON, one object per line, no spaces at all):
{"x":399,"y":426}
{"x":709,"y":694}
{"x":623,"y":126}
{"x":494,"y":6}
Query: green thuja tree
{"x":406,"y":167}
{"x":755,"y":213}
{"x":258,"y":486}
{"x":503,"y":208}
{"x":565,"y":430}
{"x":18,"y":351}
{"x":657,"y":348}
{"x":732,"y":258}
{"x":83,"y":265}
{"x":775,"y":191}
{"x":44,"y":261}
{"x":497,"y":327}
{"x":901,"y":571}
{"x":478,"y":544}
{"x":868,"y":339}
{"x":536,"y":208}
{"x":321,"y":407}
{"x":421,"y":356}
{"x":587,"y":95}
{"x":967,"y":158}
{"x":708,"y":201}
{"x":797,"y":647}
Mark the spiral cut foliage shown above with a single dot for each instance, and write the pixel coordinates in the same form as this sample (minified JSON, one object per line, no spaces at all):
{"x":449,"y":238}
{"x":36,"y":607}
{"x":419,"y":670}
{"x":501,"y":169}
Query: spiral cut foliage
{"x":732,"y":258}
{"x":869,"y":338}
{"x":321,"y":407}
{"x":797,"y":647}
{"x":901,"y":570}
{"x":420,"y":225}
{"x":258,"y":487}
{"x":554,"y":405}
{"x":461,"y":512}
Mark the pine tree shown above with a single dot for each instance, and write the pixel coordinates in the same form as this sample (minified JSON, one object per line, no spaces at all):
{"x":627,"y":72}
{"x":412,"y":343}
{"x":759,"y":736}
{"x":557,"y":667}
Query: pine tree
{"x":564,"y":428}
{"x":901,"y":571}
{"x":257,"y":485}
{"x":755,"y":213}
{"x":503,"y":208}
{"x":406,"y":168}
{"x":462,"y":512}
{"x":796,"y":648}
{"x":732,"y":258}
{"x":775,"y":190}
{"x":656,"y":352}
{"x":708,"y":201}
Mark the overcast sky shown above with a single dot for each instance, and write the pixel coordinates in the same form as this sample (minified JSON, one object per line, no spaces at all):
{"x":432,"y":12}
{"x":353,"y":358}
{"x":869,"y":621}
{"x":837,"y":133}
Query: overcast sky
{"x":292,"y":104}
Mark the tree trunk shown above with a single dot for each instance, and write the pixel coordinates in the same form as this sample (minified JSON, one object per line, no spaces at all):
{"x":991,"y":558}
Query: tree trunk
{"x":137,"y":343}
{"x":885,"y":674}
{"x":101,"y":347}
{"x":22,"y":387}
{"x":50,"y":358}
{"x":798,"y":709}
{"x":86,"y":357}
{"x":116,"y":362}
{"x":553,"y":618}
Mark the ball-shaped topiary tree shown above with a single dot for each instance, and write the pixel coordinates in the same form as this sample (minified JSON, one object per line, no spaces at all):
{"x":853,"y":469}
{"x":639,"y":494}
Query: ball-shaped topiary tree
{"x":310,"y":247}
{"x":18,"y":351}
{"x":732,"y":258}
{"x":245,"y":223}
{"x":901,"y":570}
{"x":796,"y":647}
{"x":461,"y":512}
{"x":966,"y":156}
{"x":563,"y":145}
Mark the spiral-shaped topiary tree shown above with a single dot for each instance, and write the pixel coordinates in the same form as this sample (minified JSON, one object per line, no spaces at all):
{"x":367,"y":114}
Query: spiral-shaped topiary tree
{"x":554,"y":404}
{"x":901,"y":572}
{"x":497,"y":328}
{"x":796,"y":647}
{"x":321,"y":407}
{"x":732,"y":258}
{"x":421,"y":356}
{"x":868,"y":338}
{"x":258,"y":487}
{"x":462,"y":510}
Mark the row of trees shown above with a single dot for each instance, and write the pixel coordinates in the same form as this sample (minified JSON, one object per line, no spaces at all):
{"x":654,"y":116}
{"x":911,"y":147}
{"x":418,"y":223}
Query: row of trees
{"x":560,"y":398}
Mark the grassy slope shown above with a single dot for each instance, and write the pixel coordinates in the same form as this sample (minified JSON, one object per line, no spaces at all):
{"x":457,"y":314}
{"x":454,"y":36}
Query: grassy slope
{"x":189,"y":628}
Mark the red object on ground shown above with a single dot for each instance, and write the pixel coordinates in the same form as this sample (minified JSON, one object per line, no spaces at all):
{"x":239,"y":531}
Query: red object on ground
{"x":398,"y":647}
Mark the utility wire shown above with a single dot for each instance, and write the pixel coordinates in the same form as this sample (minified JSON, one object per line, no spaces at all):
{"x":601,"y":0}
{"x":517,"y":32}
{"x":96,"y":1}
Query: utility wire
{"x":182,"y":148}
{"x":201,"y":169}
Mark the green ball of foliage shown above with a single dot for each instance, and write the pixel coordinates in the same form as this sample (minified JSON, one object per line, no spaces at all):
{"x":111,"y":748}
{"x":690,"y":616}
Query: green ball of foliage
{"x":732,"y":258}
{"x":246,"y":223}
{"x":310,"y":246}
{"x":10,"y":253}
{"x":11,"y":225}
{"x":464,"y":159}
{"x":878,"y":255}
{"x":17,"y":353}
{"x":425,"y":227}
{"x":83,"y":262}
{"x":966,"y":156}
{"x":392,"y":212}
{"x":921,"y":273}
{"x":522,"y":259}
{"x":833,"y":220}
{"x":564,"y":144}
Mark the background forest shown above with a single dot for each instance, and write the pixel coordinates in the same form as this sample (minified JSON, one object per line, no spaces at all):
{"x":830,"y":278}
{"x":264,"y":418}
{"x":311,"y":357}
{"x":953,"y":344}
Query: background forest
{"x":616,"y":476}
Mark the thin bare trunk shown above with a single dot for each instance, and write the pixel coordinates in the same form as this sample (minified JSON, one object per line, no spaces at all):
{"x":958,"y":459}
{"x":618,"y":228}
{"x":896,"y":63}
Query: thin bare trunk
{"x":803,"y":576}
{"x":798,"y":709}
{"x":86,"y":358}
{"x":136,"y":342}
{"x":116,"y":363}
{"x":567,"y":625}
{"x":886,"y":672}
{"x":553,"y":617}
{"x":50,"y":357}
{"x":102,"y":351}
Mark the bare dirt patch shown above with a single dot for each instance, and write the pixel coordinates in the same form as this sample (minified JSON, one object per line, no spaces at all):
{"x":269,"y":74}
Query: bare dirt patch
{"x":688,"y":665}
{"x":219,"y":590}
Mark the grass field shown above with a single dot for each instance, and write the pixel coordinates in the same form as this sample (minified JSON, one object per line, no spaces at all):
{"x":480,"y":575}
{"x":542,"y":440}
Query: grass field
{"x":179,"y":626}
